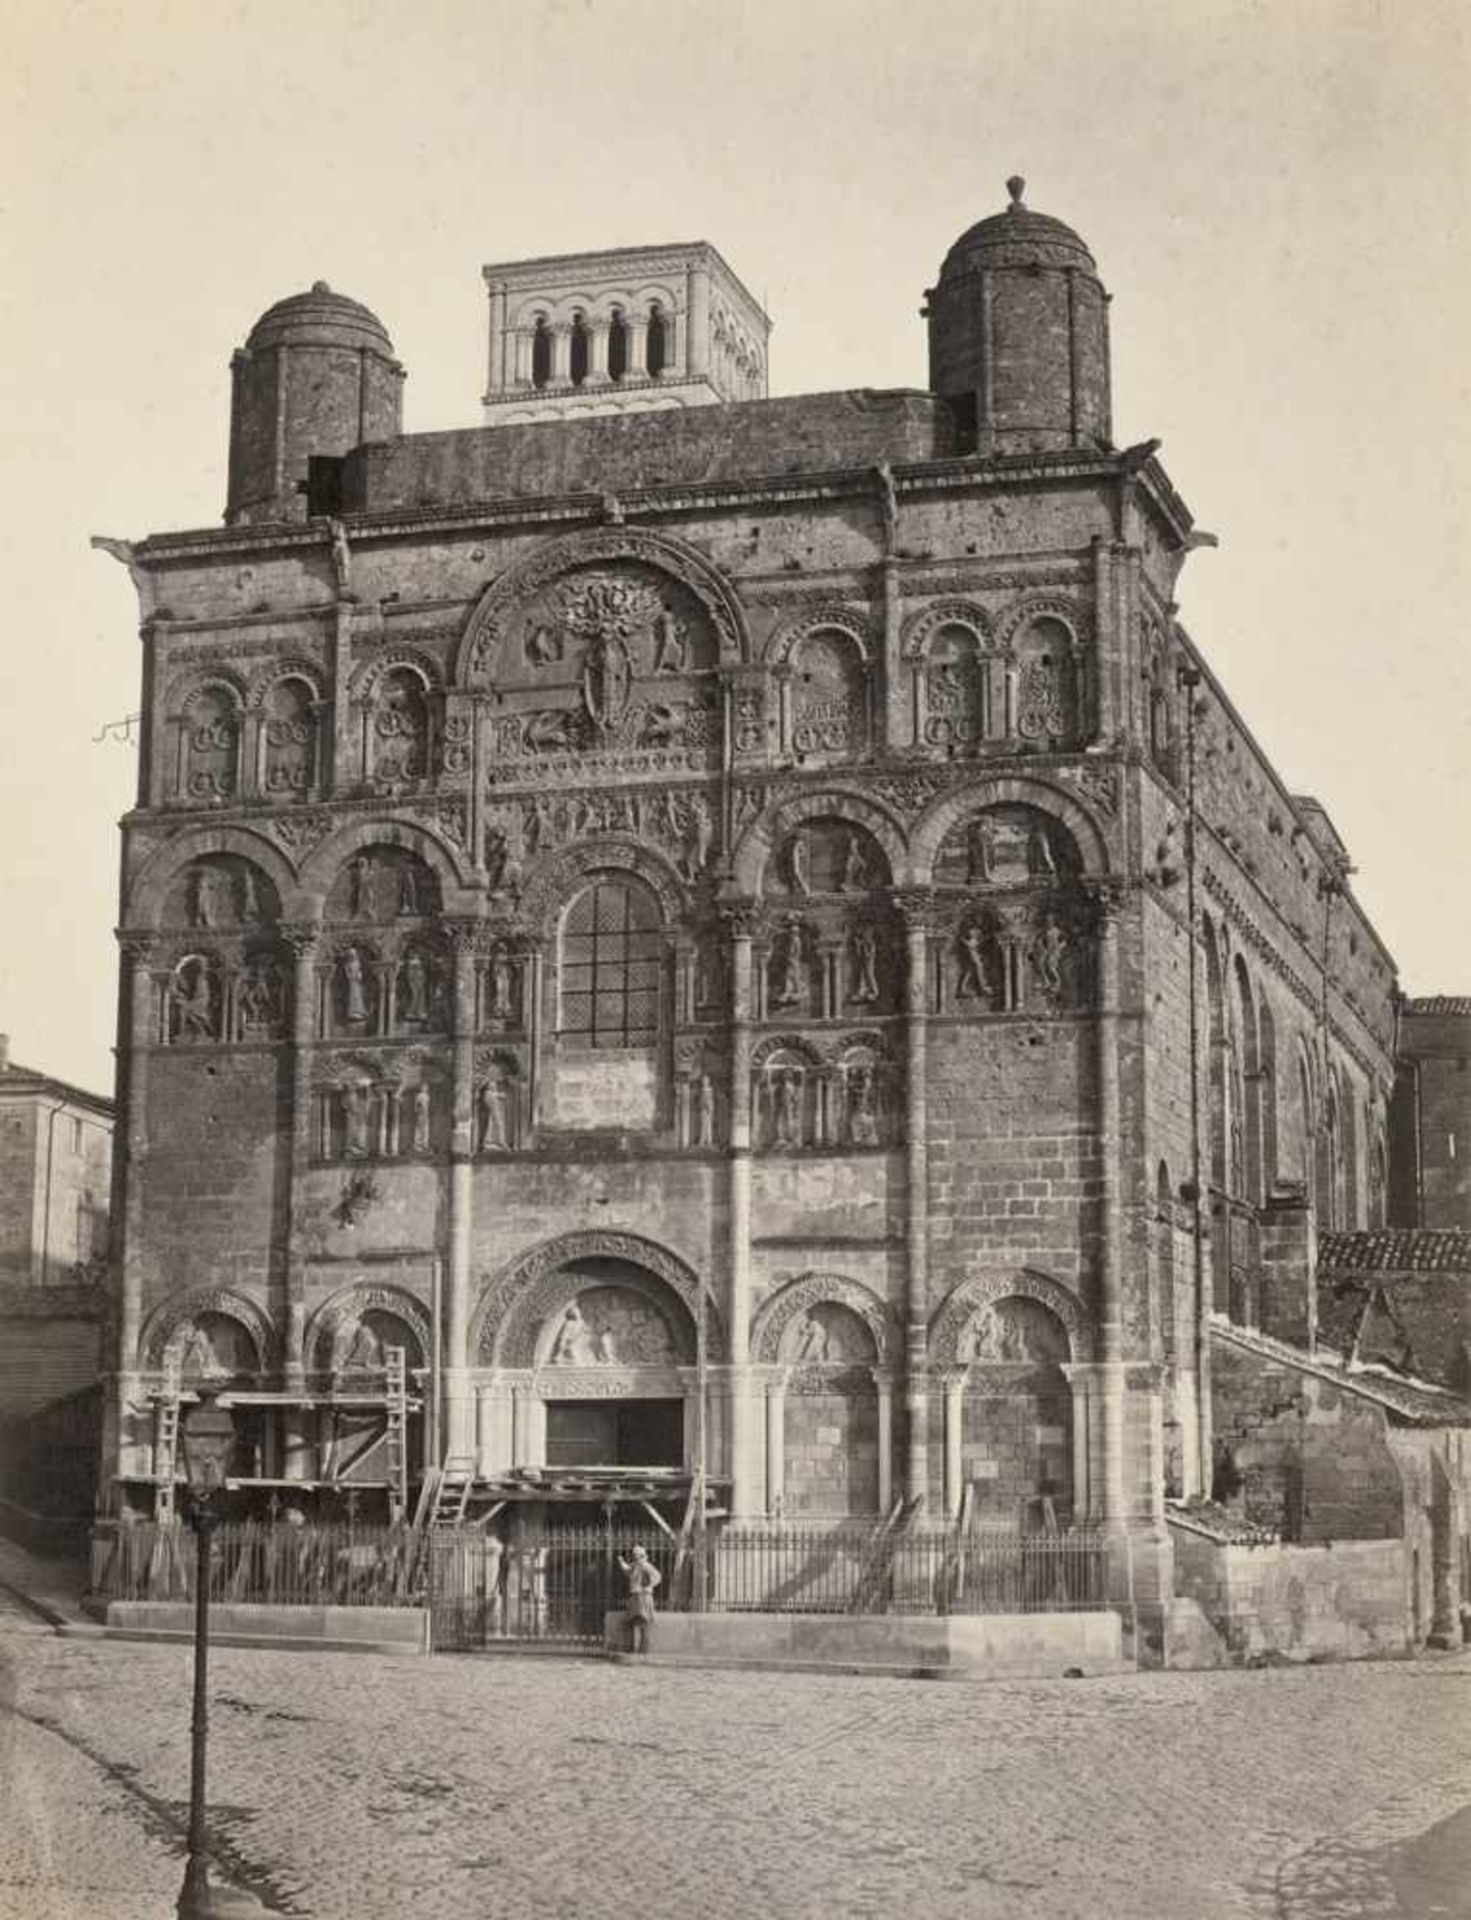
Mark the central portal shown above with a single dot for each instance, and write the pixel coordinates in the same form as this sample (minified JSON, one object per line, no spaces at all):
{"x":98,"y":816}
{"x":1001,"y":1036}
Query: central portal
{"x":615,"y":1433}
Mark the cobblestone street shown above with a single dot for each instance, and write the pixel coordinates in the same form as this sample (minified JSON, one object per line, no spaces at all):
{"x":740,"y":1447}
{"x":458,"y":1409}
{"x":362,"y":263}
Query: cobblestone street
{"x":347,"y":1786}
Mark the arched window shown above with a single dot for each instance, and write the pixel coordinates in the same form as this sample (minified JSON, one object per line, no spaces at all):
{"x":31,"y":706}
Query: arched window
{"x":610,"y":967}
{"x":617,"y":345}
{"x":541,"y":353}
{"x":657,"y":351}
{"x":579,"y":354}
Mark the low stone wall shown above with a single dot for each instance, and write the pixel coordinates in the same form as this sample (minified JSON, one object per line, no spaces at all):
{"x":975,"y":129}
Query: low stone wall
{"x":1346,"y":1601}
{"x":965,"y":1646}
{"x":405,"y":1628}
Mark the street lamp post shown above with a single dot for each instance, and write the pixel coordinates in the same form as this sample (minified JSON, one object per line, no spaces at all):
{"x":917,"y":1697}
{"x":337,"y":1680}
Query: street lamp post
{"x":208,"y":1435}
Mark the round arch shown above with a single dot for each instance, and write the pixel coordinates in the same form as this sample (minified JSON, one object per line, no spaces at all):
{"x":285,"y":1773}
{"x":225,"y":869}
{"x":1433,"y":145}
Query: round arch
{"x":269,"y":676}
{"x":930,"y":832}
{"x":331,"y":1326}
{"x":850,"y":622}
{"x":475,"y":659}
{"x":363,"y":688}
{"x":754,"y":849}
{"x":966,"y":1299}
{"x":777,"y":1312}
{"x":150,"y":887}
{"x":921,"y":629}
{"x":322,"y":865}
{"x":515,"y":1304}
{"x":162,"y":1339}
{"x":556,"y":876}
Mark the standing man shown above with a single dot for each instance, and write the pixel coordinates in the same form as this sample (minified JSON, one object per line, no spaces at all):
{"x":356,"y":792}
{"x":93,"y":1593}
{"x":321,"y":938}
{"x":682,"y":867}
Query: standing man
{"x":643,"y":1576}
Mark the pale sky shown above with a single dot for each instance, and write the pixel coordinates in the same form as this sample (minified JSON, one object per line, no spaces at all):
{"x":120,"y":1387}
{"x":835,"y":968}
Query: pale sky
{"x":1275,"y":193}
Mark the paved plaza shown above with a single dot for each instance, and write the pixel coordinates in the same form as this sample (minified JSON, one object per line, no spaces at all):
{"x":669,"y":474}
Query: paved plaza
{"x":351,"y":1787}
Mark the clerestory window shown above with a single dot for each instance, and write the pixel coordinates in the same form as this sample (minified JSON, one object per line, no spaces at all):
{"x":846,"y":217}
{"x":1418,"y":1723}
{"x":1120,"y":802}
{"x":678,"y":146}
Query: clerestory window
{"x":610,"y":967}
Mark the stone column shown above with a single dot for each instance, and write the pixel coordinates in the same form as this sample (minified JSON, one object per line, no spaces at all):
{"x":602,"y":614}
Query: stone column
{"x":454,"y":1353}
{"x":496,"y":371}
{"x":338,"y":768}
{"x":916,"y":909}
{"x":1111,"y":1236}
{"x":297,"y":1426}
{"x":744,"y":1465}
{"x":525,"y":341}
{"x":142,"y":998}
{"x":696,"y":359}
{"x":561,"y":356}
{"x":776,"y":1442}
{"x":954,"y":1442}
{"x":597,"y":353}
{"x":883,"y":1379}
{"x":638,"y":346}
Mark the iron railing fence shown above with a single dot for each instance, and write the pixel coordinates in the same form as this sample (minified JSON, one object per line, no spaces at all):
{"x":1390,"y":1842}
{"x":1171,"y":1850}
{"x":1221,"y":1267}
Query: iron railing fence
{"x":557,"y":1583}
{"x":261,"y":1562}
{"x":871,"y":1570}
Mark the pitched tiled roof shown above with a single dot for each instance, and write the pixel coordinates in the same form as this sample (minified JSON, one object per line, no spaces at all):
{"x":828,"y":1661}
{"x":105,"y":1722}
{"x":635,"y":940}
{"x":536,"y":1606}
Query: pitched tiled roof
{"x":1410,"y":1401}
{"x":1440,"y":1003}
{"x":1391,"y":1250}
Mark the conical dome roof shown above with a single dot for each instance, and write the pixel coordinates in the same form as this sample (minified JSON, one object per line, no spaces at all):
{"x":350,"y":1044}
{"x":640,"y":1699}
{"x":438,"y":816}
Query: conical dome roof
{"x":320,"y":318}
{"x":1015,"y":236}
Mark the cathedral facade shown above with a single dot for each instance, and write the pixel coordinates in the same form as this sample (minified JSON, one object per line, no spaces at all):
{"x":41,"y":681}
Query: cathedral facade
{"x":742,"y":934}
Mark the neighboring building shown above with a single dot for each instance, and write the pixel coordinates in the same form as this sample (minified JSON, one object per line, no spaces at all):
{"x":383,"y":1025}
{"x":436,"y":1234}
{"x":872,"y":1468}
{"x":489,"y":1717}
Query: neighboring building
{"x":1430,"y":1118}
{"x":55,"y":1175}
{"x":683,"y":925}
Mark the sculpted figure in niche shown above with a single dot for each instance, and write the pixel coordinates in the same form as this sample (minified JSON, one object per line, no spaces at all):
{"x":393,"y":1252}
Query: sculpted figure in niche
{"x":812,"y":1346}
{"x":863,"y":1128}
{"x":207,"y":900}
{"x":494,"y":1114}
{"x":357,"y":1114}
{"x":193,"y":1001}
{"x":709,"y":975}
{"x":259,"y":997}
{"x":366,"y":1352}
{"x":703,"y":1110}
{"x":360,"y":888}
{"x":494,"y":855}
{"x":699,"y":837}
{"x":1049,"y":958}
{"x":1041,"y":861}
{"x":789,"y":984}
{"x":354,"y":992}
{"x":575,"y":1344}
{"x":421,"y":1119}
{"x":199,"y":1354}
{"x":250,"y":908}
{"x":854,"y":871}
{"x":414,"y":987}
{"x":973,"y":981}
{"x":410,"y":890}
{"x":797,"y":865}
{"x":787,"y":1093}
{"x":544,"y":646}
{"x":499,"y":1004}
{"x":864,"y":954}
{"x":980,"y":852}
{"x":671,"y":647}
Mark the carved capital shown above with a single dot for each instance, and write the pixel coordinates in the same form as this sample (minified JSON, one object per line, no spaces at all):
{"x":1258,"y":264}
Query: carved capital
{"x":300,"y":937}
{"x":742,"y":918}
{"x":1109,"y":897}
{"x":467,"y":936}
{"x":138,"y":948}
{"x":917,"y":908}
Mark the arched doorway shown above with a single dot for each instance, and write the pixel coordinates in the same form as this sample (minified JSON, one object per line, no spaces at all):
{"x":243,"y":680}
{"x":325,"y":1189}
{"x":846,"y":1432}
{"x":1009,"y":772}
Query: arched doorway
{"x":825,"y":1462}
{"x":1015,"y":1435}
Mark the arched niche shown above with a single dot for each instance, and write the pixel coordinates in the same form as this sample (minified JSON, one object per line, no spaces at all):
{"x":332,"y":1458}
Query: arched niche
{"x":519,"y":632}
{"x":1015,"y":1440}
{"x":1070,"y":825}
{"x":398,"y":744}
{"x":535,"y":1289}
{"x":827,"y":855}
{"x":761,"y":856}
{"x":1046,"y":683}
{"x":959,"y":679}
{"x":207,"y":725}
{"x":328,"y":867}
{"x":220,"y":893}
{"x":286,"y":707}
{"x":381,"y":882}
{"x":213,"y":1336}
{"x":969,"y":1298}
{"x":777,"y":1328}
{"x":614,"y":1318}
{"x":351,"y":1332}
{"x":825,"y":696}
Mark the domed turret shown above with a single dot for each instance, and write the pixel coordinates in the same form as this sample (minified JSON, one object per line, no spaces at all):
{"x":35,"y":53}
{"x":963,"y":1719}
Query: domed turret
{"x":315,"y":378}
{"x":1019,"y":335}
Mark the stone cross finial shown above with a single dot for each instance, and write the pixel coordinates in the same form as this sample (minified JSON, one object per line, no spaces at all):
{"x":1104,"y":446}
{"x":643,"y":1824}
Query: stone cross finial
{"x":1016,"y":187}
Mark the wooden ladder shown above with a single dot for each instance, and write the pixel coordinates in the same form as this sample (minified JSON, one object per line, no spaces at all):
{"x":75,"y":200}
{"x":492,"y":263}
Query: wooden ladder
{"x":396,"y":1434}
{"x":166,"y":1451}
{"x":878,"y":1558}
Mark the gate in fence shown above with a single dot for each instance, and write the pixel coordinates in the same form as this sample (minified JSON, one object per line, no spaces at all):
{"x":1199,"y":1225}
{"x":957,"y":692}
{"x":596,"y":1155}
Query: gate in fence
{"x":547,"y":1586}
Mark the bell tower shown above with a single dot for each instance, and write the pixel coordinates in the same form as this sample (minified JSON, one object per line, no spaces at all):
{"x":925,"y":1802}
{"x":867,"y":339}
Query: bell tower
{"x":1019,"y":335}
{"x":315,"y":378}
